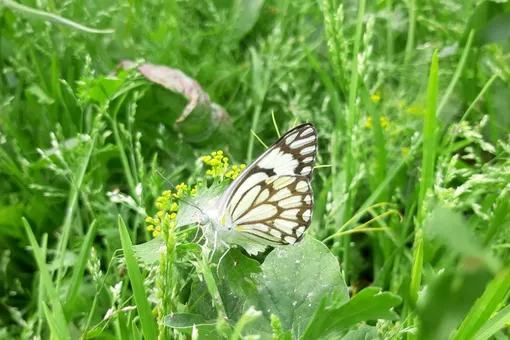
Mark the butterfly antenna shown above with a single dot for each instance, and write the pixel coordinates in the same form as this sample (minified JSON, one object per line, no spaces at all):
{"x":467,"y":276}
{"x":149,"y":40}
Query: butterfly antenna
{"x":182,"y":199}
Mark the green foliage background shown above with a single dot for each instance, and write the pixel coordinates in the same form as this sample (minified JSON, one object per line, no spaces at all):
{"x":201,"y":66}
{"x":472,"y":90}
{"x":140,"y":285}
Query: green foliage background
{"x":410,"y":236}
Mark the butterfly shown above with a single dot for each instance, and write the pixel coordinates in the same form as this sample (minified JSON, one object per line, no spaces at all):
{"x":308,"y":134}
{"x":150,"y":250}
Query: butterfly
{"x":271,"y":202}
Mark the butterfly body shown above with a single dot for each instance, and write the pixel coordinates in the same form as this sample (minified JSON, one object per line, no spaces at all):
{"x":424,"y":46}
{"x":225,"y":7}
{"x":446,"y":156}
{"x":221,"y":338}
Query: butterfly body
{"x":271,"y":202}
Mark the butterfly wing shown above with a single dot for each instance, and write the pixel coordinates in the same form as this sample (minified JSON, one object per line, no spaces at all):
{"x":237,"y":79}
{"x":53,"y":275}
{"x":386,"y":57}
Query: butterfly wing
{"x":271,"y":202}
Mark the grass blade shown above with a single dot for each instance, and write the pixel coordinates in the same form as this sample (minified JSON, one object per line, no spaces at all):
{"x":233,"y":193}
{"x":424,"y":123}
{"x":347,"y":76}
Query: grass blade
{"x":429,"y":137}
{"x":30,"y":12}
{"x":40,"y":294}
{"x":149,"y":327}
{"x":458,"y":72}
{"x":481,"y":311}
{"x":352,"y":118}
{"x":71,"y":206}
{"x":416,"y":273}
{"x":494,"y":324}
{"x":52,"y":323}
{"x":410,"y":33}
{"x":79,"y":269}
{"x":58,"y":317}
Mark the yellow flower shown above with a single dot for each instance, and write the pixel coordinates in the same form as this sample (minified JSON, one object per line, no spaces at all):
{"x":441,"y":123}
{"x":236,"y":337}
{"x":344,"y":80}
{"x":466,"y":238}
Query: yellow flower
{"x":174,"y":207}
{"x":368,"y":122}
{"x":173,"y":216}
{"x":181,"y":187}
{"x":148,"y":219}
{"x":376,"y":97}
{"x":384,"y":122}
{"x":155,"y":233}
{"x":150,"y":227}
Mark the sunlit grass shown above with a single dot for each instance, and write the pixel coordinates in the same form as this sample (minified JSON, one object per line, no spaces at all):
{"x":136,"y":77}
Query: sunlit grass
{"x":410,"y":101}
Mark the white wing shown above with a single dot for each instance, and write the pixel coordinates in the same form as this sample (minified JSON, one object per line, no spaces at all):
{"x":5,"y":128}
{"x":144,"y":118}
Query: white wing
{"x":271,"y":202}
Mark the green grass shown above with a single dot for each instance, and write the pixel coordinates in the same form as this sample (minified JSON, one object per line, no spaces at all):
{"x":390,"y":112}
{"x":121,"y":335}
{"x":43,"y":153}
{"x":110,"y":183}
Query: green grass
{"x":411,"y":230}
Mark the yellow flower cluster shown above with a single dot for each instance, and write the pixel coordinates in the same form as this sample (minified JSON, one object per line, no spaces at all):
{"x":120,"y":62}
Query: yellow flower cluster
{"x":236,"y":170}
{"x":217,"y":162}
{"x":385,"y":123}
{"x":167,"y":209}
{"x":220,"y":166}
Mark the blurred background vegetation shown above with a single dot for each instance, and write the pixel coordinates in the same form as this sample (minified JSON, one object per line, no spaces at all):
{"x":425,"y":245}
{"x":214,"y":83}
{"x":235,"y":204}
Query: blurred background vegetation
{"x":81,"y":137}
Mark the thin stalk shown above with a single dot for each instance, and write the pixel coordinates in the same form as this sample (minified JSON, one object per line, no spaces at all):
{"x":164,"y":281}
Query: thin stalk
{"x":352,"y":118}
{"x":71,"y":207}
{"x":410,"y":32}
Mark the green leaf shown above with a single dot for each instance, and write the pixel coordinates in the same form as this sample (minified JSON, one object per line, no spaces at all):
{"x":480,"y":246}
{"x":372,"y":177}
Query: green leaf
{"x":149,"y":252}
{"x":238,"y":270}
{"x":292,"y":283}
{"x":149,"y":328}
{"x":363,"y":333}
{"x":100,"y":89}
{"x":185,"y":322}
{"x":38,"y":92}
{"x":369,"y":304}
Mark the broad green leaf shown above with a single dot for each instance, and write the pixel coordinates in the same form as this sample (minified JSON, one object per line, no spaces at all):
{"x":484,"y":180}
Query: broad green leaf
{"x":362,"y":333}
{"x":185,"y":322}
{"x":238,"y":269}
{"x":369,"y":304}
{"x":99,"y":89}
{"x":293,"y":281}
{"x":447,"y":301}
{"x":201,"y":301}
{"x":149,"y":252}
